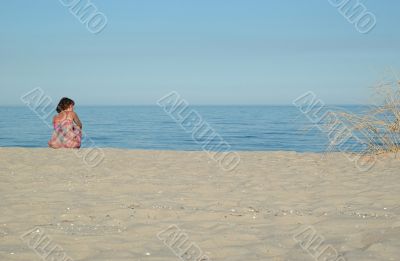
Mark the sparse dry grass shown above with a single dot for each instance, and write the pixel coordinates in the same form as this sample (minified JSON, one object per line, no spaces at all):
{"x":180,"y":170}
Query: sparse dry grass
{"x":376,"y":130}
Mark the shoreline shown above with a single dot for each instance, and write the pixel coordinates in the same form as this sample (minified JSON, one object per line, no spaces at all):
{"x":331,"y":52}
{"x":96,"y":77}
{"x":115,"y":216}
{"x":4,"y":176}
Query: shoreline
{"x":171,"y":150}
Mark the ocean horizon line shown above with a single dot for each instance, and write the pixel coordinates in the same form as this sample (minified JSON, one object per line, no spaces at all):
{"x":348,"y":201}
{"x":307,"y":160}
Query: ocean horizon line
{"x":197,"y":105}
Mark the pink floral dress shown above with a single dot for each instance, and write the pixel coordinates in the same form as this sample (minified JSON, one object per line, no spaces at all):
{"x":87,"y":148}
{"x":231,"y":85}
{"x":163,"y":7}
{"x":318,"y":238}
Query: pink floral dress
{"x":66,"y":134}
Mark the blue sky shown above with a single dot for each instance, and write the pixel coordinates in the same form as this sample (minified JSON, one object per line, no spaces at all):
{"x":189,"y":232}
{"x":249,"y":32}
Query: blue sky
{"x":211,"y":52}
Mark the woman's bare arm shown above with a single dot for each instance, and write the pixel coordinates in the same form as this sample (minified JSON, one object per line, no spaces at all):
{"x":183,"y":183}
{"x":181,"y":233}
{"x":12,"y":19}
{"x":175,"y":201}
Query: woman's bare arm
{"x":77,"y":120}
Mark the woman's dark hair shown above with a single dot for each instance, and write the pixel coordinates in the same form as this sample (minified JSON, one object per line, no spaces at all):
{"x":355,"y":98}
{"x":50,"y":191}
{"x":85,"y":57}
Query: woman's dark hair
{"x":64,"y":104}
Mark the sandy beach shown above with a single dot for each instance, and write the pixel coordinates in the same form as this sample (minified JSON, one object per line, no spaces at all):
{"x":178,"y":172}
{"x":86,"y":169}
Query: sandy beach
{"x":126,"y":207}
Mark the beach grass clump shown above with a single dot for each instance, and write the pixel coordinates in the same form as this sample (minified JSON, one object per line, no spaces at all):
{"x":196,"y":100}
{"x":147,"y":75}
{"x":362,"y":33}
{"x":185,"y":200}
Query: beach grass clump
{"x":375,"y":130}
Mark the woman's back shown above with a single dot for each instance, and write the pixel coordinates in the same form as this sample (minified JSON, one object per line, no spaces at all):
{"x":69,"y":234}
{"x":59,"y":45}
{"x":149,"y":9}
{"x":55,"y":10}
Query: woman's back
{"x":67,"y":127}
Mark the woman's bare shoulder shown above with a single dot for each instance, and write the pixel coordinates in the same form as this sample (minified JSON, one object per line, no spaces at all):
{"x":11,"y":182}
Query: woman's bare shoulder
{"x":73,"y":114}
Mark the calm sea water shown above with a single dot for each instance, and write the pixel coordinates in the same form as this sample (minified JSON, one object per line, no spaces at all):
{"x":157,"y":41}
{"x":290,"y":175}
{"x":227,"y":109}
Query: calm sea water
{"x":250,"y":128}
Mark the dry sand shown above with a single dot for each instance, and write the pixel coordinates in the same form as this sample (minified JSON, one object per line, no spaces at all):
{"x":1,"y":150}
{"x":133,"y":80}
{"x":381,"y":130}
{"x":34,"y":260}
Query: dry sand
{"x":115,"y":211}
